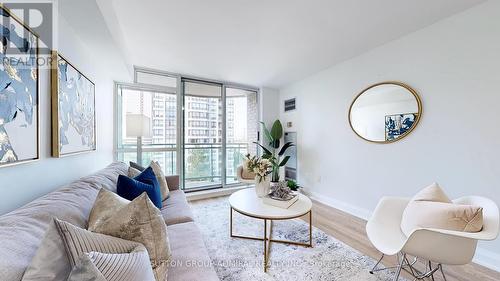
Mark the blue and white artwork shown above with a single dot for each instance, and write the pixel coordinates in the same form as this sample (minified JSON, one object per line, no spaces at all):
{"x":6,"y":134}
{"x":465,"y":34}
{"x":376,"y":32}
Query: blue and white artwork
{"x":19,"y":131}
{"x":76,"y":110}
{"x":398,"y":124}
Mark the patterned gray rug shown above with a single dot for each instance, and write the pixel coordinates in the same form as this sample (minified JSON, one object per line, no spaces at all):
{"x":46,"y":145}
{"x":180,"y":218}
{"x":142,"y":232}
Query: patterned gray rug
{"x":242,"y":259}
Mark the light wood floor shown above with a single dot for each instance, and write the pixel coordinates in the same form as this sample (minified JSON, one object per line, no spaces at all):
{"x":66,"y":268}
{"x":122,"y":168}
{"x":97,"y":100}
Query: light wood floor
{"x":351,"y":231}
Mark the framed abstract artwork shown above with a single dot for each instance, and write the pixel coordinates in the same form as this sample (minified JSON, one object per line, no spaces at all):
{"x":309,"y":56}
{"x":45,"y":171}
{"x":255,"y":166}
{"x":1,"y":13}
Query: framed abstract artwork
{"x":398,"y":124}
{"x":19,"y":94}
{"x":73,"y":109}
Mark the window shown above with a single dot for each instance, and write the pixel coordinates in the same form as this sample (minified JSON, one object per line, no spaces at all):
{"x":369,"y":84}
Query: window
{"x":160,"y":109}
{"x":198,"y":129}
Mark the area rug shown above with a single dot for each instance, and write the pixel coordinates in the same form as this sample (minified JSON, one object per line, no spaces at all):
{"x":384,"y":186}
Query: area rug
{"x":242,"y":259}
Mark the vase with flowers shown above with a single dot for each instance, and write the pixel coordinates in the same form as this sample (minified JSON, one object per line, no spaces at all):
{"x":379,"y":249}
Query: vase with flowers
{"x":262,"y":168}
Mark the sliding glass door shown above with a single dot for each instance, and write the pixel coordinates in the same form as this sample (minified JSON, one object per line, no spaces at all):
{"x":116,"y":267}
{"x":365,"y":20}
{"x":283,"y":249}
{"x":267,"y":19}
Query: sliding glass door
{"x":220,"y":126}
{"x":203,"y":119}
{"x":241,"y":129}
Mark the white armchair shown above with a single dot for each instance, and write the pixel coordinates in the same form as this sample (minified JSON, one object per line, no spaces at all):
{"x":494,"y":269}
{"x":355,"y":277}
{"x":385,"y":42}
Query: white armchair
{"x":432,"y":245}
{"x":245,"y":177}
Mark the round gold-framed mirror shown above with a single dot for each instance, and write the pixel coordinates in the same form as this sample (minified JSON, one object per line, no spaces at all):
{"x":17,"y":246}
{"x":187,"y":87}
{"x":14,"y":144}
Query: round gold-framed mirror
{"x":385,"y":112}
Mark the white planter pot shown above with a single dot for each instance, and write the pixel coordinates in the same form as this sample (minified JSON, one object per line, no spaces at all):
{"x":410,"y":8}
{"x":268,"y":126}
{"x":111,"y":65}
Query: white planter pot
{"x":263,"y":187}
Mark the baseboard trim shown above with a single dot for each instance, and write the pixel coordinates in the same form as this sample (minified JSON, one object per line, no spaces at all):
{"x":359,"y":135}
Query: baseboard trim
{"x":482,"y":257}
{"x":487,"y":259}
{"x":206,"y":194}
{"x":337,"y":204}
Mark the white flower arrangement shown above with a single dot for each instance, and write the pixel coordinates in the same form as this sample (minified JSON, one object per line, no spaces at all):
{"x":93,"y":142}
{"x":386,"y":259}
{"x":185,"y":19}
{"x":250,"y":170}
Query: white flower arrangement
{"x":259,"y":166}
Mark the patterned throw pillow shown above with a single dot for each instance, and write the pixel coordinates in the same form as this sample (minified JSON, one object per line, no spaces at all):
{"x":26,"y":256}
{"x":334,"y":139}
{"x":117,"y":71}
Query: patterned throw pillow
{"x":146,"y":181}
{"x":142,"y":222}
{"x":105,"y":206}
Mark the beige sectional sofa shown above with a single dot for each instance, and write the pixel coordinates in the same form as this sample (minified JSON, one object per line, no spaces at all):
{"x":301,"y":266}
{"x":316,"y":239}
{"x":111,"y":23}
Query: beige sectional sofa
{"x":22,"y":230}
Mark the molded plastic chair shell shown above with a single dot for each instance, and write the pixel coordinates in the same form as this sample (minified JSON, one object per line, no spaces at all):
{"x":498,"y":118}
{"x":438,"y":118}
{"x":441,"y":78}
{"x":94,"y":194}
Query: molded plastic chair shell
{"x":437,"y":245}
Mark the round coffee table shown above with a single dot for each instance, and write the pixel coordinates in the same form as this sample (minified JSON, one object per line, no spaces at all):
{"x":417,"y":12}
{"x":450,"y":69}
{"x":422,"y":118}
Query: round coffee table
{"x":247,"y":203}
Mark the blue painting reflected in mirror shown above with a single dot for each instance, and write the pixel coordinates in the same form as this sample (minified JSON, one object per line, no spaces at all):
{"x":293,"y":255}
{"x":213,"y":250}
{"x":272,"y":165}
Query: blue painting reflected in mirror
{"x":19,"y":129}
{"x":398,"y":124}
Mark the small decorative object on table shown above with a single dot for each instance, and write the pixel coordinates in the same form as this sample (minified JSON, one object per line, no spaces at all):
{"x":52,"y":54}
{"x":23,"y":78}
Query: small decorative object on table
{"x":281,"y":196}
{"x":261,"y":168}
{"x":293,"y":185}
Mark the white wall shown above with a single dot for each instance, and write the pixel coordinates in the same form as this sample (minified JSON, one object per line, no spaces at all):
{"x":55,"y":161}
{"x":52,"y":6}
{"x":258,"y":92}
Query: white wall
{"x":269,"y":103}
{"x":23,"y":183}
{"x":454,"y":65}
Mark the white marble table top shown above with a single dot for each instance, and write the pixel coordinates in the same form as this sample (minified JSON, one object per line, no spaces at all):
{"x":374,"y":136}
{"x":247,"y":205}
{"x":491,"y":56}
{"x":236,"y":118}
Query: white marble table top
{"x":246,"y":202}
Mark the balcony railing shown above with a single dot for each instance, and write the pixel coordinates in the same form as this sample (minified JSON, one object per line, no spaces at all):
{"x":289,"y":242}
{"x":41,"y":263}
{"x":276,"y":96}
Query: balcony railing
{"x":203,"y":162}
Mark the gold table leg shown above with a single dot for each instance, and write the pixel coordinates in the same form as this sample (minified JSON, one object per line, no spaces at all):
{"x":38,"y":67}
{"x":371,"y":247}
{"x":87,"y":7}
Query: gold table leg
{"x":266,"y":254}
{"x":268,"y":239}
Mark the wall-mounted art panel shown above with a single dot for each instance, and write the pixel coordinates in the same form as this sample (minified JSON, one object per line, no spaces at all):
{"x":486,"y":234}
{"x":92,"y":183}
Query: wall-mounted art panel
{"x":19,"y":92}
{"x":73,"y":109}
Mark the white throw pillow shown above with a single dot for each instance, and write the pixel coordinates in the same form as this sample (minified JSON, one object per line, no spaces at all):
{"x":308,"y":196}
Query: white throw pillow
{"x":431,"y":208}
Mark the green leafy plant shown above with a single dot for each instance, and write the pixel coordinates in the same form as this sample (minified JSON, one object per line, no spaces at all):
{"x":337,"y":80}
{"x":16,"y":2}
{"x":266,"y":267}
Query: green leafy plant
{"x":292,"y":185}
{"x":275,"y":152}
{"x":259,"y":166}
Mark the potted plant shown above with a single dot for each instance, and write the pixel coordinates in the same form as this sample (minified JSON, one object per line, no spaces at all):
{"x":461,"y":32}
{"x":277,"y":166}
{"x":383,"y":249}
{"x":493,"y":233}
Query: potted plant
{"x":293,"y":185}
{"x":261,"y":168}
{"x":275,"y":151}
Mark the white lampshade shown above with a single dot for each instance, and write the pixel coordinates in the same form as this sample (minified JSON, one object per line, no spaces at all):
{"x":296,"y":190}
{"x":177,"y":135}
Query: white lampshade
{"x":138,"y":125}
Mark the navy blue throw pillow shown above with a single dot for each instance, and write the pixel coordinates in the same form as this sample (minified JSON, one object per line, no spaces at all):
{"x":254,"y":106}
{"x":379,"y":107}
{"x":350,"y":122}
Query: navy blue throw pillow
{"x":130,"y":189}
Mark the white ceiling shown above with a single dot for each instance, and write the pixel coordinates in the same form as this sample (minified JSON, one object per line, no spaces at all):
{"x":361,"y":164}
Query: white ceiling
{"x":86,"y":20}
{"x":262,"y":42}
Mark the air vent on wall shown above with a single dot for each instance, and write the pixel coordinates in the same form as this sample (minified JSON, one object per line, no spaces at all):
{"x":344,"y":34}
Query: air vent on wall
{"x":289,"y":104}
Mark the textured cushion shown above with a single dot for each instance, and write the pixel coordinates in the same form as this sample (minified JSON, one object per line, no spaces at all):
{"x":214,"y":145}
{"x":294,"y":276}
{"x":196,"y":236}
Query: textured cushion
{"x":176,"y":208}
{"x":62,"y":246}
{"x":135,"y":169}
{"x":85,"y":270}
{"x":190,"y":259}
{"x":133,"y":172}
{"x":141,"y":221}
{"x":161,"y":179}
{"x":137,"y":166}
{"x":431,"y":208}
{"x":78,"y":241}
{"x":130,"y":189}
{"x":113,"y":267}
{"x":105,"y":206}
{"x":114,"y":258}
{"x":51,"y":260}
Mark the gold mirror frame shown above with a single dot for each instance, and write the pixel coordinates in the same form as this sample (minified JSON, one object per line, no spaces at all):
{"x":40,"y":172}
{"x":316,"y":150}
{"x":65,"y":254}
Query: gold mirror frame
{"x":410,"y":89}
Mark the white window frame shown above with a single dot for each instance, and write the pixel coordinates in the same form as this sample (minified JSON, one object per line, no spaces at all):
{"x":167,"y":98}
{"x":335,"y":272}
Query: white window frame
{"x":178,"y":91}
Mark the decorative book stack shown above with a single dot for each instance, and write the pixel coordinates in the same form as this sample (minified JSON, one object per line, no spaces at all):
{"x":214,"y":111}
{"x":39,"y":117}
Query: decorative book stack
{"x":284,"y":203}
